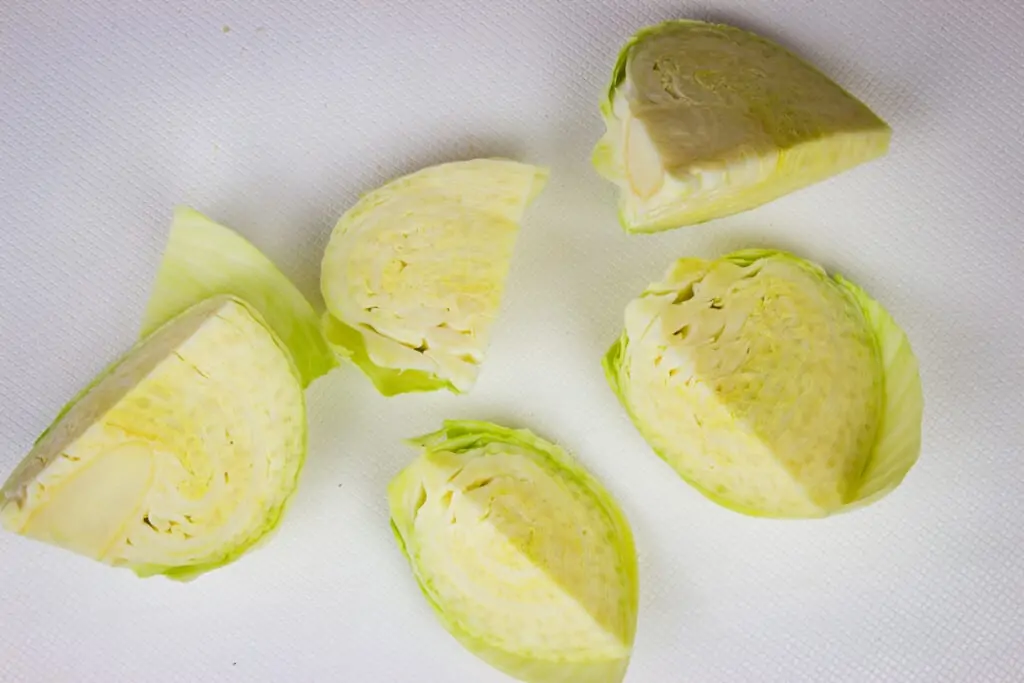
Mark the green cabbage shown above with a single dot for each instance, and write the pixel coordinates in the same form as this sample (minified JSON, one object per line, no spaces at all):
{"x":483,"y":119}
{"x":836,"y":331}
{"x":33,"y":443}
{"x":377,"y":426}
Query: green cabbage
{"x":203,"y":259}
{"x":179,"y":457}
{"x":771,"y":388}
{"x":414,"y":272}
{"x":526,"y":559}
{"x":705,"y":120}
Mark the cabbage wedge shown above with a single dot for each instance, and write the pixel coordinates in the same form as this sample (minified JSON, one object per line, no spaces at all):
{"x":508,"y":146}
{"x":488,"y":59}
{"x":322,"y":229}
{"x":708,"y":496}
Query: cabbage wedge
{"x":179,"y":457}
{"x":771,"y":388}
{"x":706,"y":120}
{"x":413,"y":274}
{"x":525,"y":558}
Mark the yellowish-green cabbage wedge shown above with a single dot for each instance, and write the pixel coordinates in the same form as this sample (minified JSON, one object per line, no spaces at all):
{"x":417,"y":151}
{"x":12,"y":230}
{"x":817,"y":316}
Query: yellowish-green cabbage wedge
{"x":526,"y":559}
{"x":414,"y":272}
{"x":771,"y":388}
{"x":706,"y":120}
{"x":204,"y":258}
{"x":179,"y":457}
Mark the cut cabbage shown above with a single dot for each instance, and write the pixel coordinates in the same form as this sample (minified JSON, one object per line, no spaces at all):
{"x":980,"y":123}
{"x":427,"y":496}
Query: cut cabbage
{"x":414,"y":272}
{"x":771,"y":388}
{"x":179,"y":457}
{"x":705,"y":120}
{"x":203,"y":259}
{"x":526,"y":559}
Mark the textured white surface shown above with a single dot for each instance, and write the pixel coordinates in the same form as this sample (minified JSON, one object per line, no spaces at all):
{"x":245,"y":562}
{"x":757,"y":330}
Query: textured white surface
{"x":273,"y":117}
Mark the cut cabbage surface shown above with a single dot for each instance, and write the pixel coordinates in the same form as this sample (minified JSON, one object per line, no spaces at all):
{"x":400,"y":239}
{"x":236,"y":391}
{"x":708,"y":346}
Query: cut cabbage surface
{"x":526,"y":559}
{"x":179,"y":457}
{"x":706,"y":120}
{"x":414,"y":273}
{"x":770,"y":387}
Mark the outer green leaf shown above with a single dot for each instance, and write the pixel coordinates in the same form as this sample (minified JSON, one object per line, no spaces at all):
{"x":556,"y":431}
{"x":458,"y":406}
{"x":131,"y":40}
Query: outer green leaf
{"x":204,"y":258}
{"x":899,"y":434}
{"x":350,"y":344}
{"x":513,"y":495}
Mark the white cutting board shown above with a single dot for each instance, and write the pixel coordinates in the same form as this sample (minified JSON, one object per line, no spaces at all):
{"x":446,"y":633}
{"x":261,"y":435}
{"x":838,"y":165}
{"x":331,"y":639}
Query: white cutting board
{"x":273,"y":117}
